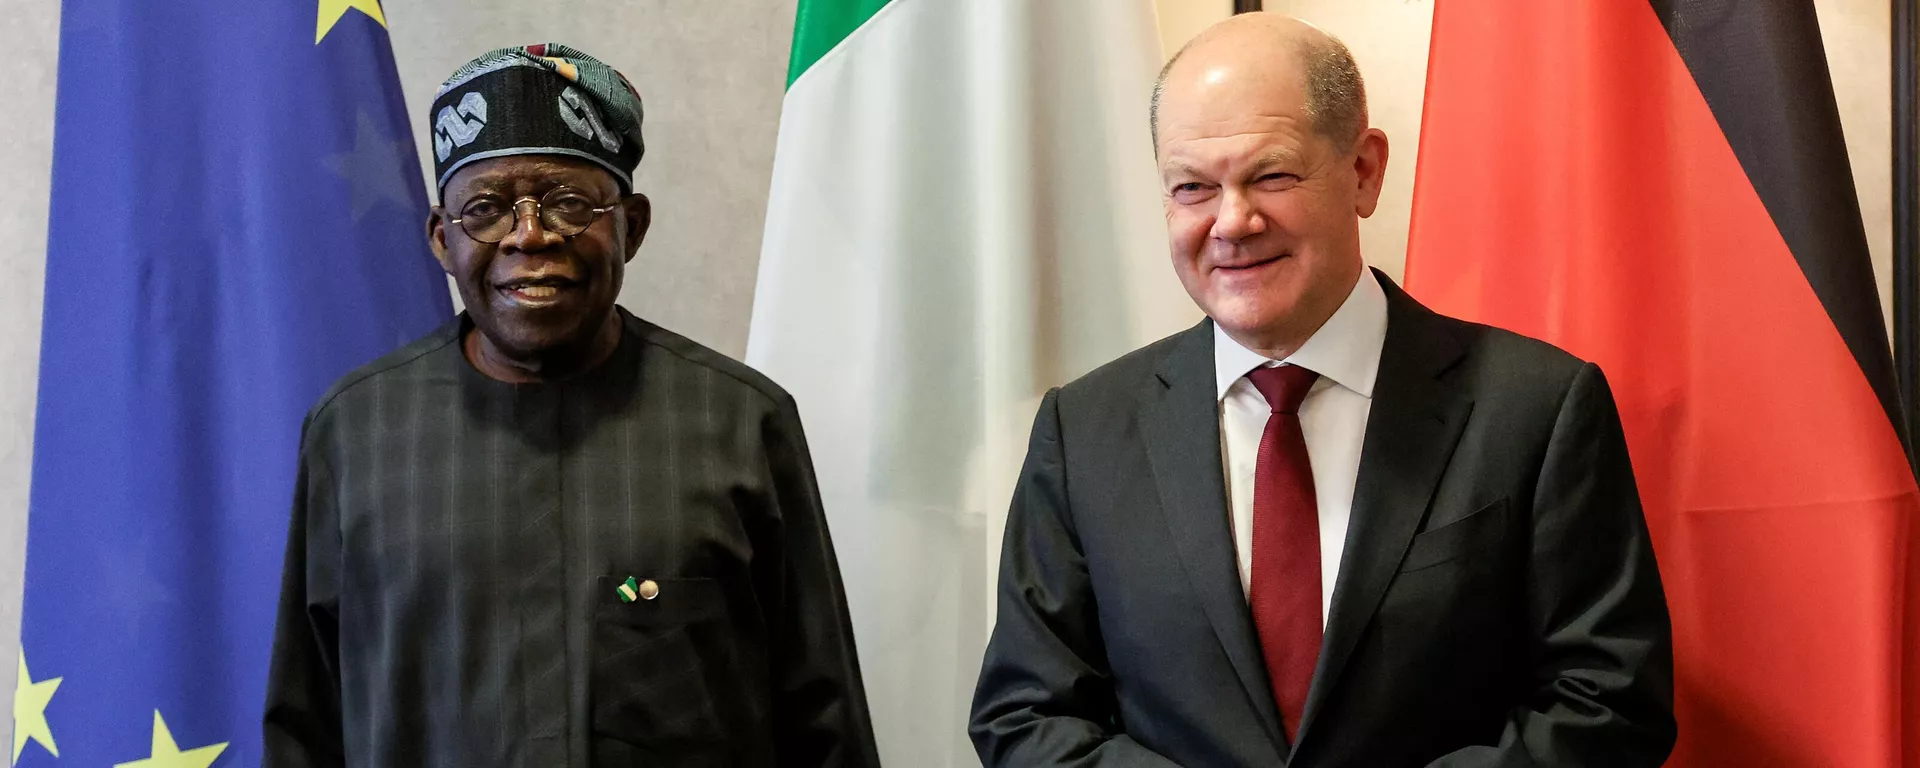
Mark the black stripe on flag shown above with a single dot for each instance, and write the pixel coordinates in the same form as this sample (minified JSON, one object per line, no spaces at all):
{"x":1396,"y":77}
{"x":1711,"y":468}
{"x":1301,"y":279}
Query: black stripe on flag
{"x":1763,"y":71}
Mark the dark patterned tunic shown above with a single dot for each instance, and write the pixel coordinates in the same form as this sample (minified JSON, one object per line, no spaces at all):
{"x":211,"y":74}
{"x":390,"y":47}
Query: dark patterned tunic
{"x":450,"y":595}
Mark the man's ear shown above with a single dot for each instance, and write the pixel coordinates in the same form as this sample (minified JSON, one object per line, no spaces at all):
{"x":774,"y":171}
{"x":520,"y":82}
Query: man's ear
{"x":637,"y":211}
{"x":437,"y":237}
{"x":1369,"y":169}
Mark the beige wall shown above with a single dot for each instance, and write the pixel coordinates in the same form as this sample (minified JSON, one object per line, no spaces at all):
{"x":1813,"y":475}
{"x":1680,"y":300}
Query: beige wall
{"x":1180,"y":20}
{"x":1857,"y":37}
{"x":1390,"y":37}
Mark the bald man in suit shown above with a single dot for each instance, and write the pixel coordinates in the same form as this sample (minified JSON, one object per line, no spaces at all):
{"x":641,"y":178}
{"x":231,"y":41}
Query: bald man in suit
{"x":1326,"y":526}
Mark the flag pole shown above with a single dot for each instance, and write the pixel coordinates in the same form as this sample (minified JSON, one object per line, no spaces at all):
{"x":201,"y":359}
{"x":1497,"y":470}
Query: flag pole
{"x":1906,"y":219}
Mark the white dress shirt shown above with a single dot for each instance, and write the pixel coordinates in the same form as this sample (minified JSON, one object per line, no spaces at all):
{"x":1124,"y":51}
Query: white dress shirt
{"x":1346,"y":354}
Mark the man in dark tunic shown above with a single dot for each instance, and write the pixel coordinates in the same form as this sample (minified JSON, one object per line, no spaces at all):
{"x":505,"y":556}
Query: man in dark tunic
{"x":552,"y":533}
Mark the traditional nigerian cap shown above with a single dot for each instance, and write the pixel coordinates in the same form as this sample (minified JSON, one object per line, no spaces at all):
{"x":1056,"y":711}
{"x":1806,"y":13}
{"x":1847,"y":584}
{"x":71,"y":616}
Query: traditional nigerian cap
{"x":546,"y":99}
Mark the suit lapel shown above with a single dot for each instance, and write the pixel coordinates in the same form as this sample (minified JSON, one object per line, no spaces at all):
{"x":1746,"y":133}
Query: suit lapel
{"x":1412,"y":428}
{"x":1181,"y":424}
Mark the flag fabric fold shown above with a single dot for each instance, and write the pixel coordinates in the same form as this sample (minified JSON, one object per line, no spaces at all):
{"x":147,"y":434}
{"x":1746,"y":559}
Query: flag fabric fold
{"x":1663,"y":188}
{"x":962,"y":215}
{"x":236,"y":220}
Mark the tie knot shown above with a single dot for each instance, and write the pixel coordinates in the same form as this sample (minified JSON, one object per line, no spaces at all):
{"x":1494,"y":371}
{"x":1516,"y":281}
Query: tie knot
{"x":1284,"y":386}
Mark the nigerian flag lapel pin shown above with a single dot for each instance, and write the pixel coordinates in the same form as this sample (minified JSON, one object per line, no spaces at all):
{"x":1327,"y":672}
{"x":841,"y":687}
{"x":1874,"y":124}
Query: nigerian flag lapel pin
{"x":629,"y":590}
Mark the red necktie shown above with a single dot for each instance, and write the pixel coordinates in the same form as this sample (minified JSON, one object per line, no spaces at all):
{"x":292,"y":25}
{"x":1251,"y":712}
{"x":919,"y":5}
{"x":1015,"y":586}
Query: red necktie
{"x":1285,"y":584}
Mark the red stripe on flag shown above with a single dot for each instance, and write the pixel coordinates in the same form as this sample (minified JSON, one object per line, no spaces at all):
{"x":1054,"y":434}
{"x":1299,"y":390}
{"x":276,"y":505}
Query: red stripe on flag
{"x":1573,"y":185}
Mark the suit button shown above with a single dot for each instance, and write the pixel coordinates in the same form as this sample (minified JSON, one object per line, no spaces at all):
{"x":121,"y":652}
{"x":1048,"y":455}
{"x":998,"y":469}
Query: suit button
{"x":649,"y":590}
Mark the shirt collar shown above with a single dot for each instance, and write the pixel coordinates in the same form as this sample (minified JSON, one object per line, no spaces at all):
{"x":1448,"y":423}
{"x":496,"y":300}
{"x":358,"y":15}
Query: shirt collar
{"x":1346,"y":349}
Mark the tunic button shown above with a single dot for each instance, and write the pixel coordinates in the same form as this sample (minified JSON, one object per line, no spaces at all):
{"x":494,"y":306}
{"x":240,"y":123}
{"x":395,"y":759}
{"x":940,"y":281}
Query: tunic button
{"x":649,"y":590}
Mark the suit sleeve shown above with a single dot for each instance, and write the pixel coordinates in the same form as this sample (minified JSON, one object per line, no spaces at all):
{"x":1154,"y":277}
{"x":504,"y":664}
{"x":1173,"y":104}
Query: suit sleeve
{"x":819,"y":701}
{"x":1603,"y":659}
{"x":1045,"y":696}
{"x":302,"y":719}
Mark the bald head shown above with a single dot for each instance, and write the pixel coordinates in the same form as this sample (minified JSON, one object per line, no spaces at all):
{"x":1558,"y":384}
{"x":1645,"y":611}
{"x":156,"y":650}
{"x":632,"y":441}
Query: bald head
{"x":1279,"y":45}
{"x":1266,"y":166}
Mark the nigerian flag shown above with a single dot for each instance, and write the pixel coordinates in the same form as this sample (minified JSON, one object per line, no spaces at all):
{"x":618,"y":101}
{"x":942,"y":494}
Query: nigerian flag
{"x":964,"y":213}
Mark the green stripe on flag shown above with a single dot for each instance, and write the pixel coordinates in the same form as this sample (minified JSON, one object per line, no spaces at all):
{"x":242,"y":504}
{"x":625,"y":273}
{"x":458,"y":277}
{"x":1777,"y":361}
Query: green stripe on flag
{"x":820,"y":25}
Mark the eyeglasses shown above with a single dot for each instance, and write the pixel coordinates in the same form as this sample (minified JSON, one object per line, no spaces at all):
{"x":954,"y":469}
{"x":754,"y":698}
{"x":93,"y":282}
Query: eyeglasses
{"x":564,"y":211}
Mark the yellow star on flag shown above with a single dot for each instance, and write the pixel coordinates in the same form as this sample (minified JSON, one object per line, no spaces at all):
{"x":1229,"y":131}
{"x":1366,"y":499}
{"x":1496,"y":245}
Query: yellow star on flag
{"x":30,"y":710}
{"x":332,"y":10}
{"x":167,"y":754}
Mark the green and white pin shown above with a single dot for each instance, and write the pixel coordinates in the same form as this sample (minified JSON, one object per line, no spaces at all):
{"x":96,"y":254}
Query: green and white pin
{"x":629,"y":590}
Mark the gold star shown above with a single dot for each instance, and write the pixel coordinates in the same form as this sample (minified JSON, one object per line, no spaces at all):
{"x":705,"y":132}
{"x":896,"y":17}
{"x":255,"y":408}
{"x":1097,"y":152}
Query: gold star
{"x":167,"y":754}
{"x":332,"y":10}
{"x":30,"y":710}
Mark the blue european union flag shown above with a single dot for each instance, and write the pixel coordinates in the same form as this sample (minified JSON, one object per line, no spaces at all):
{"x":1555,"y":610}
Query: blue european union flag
{"x":237,"y":219}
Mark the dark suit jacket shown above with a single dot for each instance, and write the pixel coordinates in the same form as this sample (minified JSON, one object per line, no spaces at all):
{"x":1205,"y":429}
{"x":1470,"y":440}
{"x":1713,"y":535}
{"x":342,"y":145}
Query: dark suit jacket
{"x":1497,"y":603}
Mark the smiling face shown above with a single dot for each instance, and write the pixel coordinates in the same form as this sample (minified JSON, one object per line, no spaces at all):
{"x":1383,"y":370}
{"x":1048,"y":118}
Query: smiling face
{"x":537,"y":297}
{"x":1262,"y":209}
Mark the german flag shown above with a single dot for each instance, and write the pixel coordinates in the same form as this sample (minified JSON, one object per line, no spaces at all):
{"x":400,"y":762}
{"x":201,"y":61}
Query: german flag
{"x":1662,"y":187}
